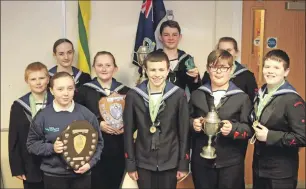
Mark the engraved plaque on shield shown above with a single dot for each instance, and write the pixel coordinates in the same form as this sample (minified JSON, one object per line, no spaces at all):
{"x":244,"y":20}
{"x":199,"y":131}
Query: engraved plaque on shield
{"x":111,"y":109}
{"x":80,"y":142}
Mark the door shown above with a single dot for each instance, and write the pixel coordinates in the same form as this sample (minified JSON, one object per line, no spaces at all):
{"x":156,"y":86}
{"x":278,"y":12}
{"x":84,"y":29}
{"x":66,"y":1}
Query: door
{"x":266,"y":24}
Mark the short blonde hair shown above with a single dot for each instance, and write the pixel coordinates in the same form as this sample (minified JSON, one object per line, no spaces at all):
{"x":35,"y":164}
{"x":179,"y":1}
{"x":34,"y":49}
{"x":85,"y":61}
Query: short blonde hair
{"x":33,"y":67}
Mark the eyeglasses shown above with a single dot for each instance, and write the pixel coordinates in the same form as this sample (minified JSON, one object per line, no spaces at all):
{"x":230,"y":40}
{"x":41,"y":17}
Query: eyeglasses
{"x":222,"y":68}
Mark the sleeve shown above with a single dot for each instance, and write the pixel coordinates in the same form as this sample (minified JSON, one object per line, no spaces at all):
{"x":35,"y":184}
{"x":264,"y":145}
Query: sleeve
{"x":183,"y":129}
{"x":191,"y":84}
{"x":100,"y":145}
{"x":194,"y":111}
{"x":295,"y":114}
{"x":251,"y":86}
{"x":129,"y":128}
{"x":243,"y":129}
{"x":15,"y":158}
{"x":205,"y":78}
{"x":36,"y":140}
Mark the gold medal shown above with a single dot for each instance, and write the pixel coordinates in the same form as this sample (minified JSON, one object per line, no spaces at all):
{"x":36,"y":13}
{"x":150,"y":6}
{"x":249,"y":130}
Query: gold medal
{"x":152,"y":129}
{"x":255,"y":124}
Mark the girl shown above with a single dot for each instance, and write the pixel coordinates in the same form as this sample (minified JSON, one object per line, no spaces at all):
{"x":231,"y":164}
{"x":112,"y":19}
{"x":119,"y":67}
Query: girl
{"x":240,"y":75}
{"x":63,"y":52}
{"x":23,"y":165}
{"x":49,"y":124}
{"x":233,"y":107}
{"x":109,"y":171}
{"x":280,"y":114}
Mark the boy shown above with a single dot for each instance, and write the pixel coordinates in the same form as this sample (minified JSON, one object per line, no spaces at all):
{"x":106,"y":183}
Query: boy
{"x":279,"y":124}
{"x":159,"y":110}
{"x":183,"y":72}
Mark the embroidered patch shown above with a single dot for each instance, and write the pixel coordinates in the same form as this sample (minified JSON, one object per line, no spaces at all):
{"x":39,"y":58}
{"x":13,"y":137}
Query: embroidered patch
{"x":187,"y":156}
{"x":298,"y":103}
{"x":126,"y":155}
{"x":236,"y":134}
{"x":52,"y":129}
{"x":292,"y":142}
{"x":244,"y":135}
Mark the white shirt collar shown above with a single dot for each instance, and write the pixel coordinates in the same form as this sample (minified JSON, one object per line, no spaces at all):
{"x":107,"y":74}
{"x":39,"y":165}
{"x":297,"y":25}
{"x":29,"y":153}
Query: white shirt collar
{"x":60,"y":109}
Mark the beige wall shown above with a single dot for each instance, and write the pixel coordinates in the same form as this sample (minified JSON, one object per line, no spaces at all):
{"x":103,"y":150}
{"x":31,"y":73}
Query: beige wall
{"x":29,"y":29}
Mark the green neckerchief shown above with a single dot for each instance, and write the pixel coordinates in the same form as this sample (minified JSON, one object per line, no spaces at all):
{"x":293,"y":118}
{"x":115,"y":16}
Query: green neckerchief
{"x":265,"y":99}
{"x":154,"y":107}
{"x":33,"y":104}
{"x":233,"y":69}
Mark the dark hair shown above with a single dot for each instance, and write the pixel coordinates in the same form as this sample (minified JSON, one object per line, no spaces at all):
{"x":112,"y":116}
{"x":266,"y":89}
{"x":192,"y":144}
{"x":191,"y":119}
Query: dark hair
{"x":280,"y":56}
{"x":228,"y":39}
{"x":156,"y":56}
{"x":171,"y":24}
{"x":59,"y":75}
{"x":60,"y":41}
{"x":104,"y":53}
{"x":215,"y":56}
{"x":35,"y":66}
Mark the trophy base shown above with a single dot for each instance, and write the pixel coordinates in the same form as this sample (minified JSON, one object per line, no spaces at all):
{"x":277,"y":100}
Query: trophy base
{"x":208,"y":152}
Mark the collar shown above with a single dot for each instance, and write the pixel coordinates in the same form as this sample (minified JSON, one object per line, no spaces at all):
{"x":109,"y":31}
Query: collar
{"x":76,"y":73}
{"x":283,"y":89}
{"x":24,"y":101}
{"x":232,"y":89}
{"x":94,"y":84}
{"x":60,"y":109}
{"x":181,"y":54}
{"x":238,"y":69}
{"x":141,"y":89}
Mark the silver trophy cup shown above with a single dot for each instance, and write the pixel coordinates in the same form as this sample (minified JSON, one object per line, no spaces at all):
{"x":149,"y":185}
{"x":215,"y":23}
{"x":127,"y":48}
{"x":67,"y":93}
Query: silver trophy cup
{"x":211,"y":127}
{"x":142,"y":53}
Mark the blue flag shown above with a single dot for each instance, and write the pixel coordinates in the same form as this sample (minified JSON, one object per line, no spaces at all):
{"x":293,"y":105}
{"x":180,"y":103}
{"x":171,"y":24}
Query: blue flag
{"x":151,"y":15}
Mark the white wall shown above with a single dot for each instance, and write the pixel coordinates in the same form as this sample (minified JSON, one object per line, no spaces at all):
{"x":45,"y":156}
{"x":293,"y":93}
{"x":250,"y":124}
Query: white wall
{"x":29,"y":29}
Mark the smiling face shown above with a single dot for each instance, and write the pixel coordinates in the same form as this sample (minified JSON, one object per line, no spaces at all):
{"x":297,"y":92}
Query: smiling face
{"x":105,"y":67}
{"x":64,"y":54}
{"x":170,"y":37}
{"x":274,"y":72}
{"x":38,"y":81}
{"x":157,"y":73}
{"x":63,"y":91}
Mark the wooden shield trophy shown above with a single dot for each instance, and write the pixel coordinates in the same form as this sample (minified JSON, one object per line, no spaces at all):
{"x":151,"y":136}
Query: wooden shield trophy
{"x":111,"y":109}
{"x":80,"y":141}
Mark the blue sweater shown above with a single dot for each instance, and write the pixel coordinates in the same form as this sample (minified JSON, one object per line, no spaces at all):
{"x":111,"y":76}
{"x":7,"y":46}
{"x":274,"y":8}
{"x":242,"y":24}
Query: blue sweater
{"x":47,"y":126}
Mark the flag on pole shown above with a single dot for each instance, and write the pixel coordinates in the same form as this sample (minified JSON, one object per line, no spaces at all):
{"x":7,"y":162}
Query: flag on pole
{"x":151,"y":14}
{"x":83,"y":24}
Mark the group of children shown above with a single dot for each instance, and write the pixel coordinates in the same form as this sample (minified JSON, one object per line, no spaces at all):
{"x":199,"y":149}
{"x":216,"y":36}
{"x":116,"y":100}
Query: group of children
{"x":168,"y":123}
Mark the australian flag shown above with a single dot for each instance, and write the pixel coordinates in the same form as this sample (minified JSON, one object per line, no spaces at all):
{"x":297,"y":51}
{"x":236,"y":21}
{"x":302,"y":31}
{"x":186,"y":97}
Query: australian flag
{"x":151,"y":15}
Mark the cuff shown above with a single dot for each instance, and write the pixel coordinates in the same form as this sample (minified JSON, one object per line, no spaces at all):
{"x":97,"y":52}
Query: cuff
{"x":273,"y":137}
{"x":183,"y":165}
{"x":130,"y":166}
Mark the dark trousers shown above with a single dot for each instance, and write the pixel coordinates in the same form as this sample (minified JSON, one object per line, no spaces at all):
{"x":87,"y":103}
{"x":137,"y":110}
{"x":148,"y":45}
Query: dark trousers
{"x":267,"y":183}
{"x":156,"y":179}
{"x":80,"y":182}
{"x":108,"y":173}
{"x":33,"y":185}
{"x":218,"y":178}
